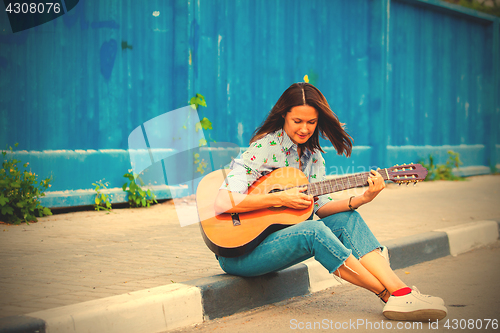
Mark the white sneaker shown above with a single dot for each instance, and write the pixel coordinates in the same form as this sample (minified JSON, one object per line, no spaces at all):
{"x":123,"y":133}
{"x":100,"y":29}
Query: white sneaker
{"x":434,"y":299}
{"x":415,"y":307}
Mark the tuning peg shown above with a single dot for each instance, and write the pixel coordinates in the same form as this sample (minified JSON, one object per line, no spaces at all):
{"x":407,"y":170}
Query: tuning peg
{"x":415,"y":183}
{"x":407,"y":183}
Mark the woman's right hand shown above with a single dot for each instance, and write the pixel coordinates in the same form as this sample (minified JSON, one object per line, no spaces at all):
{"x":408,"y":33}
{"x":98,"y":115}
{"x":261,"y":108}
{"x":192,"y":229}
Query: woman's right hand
{"x":295,"y":198}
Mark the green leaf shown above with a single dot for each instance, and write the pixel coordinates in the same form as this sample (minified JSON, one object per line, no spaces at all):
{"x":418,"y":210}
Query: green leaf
{"x":6,"y":210}
{"x":129,"y":176}
{"x":201,"y":100}
{"x":197,"y":100}
{"x":133,"y":187}
{"x":206,"y":124}
{"x":194,"y":102}
{"x":3,"y":200}
{"x":47,"y":211}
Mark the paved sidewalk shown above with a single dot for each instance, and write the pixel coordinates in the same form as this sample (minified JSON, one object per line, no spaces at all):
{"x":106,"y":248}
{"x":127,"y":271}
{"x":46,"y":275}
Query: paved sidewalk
{"x":76,"y":257}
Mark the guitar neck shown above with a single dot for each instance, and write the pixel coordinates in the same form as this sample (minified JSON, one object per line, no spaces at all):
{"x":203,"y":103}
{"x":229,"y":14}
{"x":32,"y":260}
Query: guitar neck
{"x":342,"y":183}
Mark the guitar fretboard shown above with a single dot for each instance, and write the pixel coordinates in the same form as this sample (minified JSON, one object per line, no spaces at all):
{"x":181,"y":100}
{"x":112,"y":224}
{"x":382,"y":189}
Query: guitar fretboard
{"x":342,"y":183}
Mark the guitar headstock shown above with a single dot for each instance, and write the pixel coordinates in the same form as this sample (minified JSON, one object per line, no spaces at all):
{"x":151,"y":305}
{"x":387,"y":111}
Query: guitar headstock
{"x":407,"y":173}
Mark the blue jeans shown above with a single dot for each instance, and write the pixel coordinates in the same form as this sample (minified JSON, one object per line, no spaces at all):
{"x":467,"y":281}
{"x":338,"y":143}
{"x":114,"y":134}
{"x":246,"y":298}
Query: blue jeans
{"x":330,"y":240}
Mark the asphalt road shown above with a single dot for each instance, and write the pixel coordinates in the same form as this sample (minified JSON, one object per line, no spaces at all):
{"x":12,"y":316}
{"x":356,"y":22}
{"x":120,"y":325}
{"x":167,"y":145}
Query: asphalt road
{"x":469,"y":284}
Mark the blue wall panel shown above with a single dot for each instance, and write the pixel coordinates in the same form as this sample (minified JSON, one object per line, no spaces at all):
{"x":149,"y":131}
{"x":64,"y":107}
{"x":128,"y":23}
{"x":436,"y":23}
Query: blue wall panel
{"x":440,"y":73}
{"x":85,"y":80}
{"x":408,"y":78}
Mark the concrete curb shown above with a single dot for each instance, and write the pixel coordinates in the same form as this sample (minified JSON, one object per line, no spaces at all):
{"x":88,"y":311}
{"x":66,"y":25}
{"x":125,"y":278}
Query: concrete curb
{"x":182,"y":304}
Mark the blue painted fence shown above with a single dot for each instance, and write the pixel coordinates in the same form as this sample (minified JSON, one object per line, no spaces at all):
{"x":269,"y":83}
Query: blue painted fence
{"x":409,"y":78}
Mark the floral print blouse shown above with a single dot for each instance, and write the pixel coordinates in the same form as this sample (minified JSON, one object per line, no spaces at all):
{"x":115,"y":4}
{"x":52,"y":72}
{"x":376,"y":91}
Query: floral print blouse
{"x":273,"y":151}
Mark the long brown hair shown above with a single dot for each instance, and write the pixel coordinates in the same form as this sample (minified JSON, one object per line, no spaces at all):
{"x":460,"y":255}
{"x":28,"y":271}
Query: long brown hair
{"x":328,"y":126}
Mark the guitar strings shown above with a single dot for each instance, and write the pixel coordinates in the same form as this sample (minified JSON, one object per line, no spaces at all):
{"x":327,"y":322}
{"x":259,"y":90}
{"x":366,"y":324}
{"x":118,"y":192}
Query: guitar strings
{"x":337,"y":184}
{"x":340,"y":184}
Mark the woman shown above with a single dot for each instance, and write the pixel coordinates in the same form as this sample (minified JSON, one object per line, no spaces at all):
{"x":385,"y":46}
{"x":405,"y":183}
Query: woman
{"x":340,"y":240}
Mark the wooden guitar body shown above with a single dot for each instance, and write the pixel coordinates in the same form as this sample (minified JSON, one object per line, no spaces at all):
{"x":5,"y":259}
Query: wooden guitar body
{"x":232,"y":235}
{"x":225,"y":238}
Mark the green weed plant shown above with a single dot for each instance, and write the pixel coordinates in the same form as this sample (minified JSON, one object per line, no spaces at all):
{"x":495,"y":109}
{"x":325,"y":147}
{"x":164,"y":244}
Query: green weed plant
{"x":102,"y":201}
{"x":204,"y":124}
{"x":443,"y":171}
{"x":20,"y":192}
{"x":137,"y":197}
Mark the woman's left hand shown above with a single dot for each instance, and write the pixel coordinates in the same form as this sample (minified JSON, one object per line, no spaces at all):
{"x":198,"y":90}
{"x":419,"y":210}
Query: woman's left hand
{"x":375,"y":185}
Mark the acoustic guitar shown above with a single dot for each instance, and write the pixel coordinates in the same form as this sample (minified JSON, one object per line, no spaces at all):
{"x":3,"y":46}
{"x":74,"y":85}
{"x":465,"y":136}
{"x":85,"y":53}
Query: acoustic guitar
{"x":232,"y":235}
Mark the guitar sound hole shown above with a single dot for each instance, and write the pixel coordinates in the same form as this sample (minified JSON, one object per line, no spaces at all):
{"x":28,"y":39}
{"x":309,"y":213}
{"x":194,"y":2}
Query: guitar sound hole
{"x":276,"y":208}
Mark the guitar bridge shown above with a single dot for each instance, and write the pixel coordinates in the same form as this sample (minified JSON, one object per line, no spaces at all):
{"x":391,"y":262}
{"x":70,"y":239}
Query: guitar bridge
{"x":236,"y":219}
